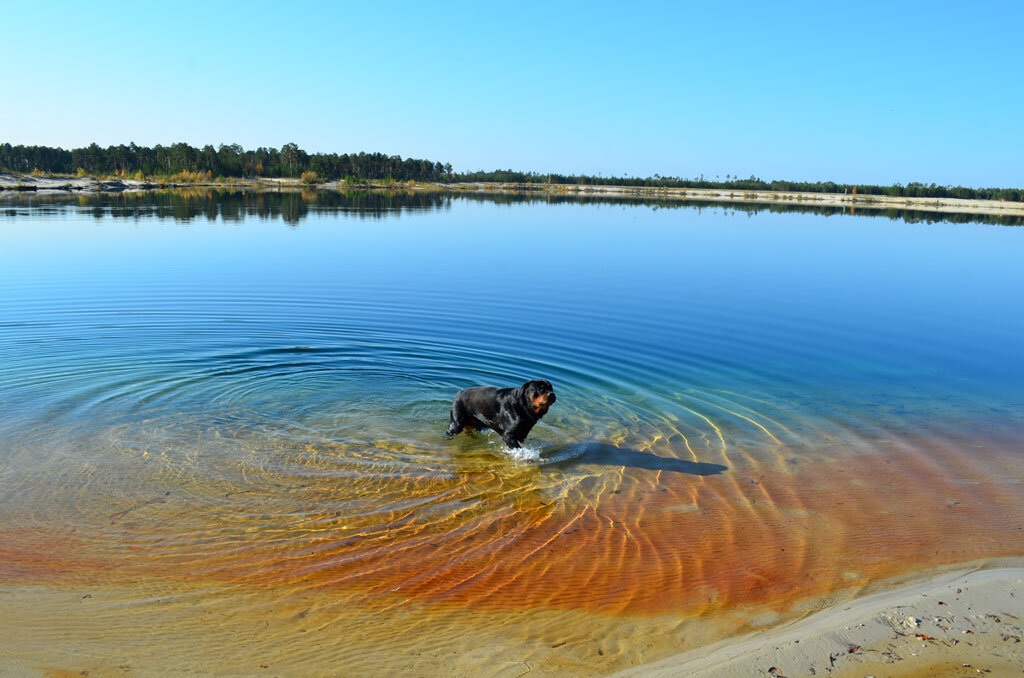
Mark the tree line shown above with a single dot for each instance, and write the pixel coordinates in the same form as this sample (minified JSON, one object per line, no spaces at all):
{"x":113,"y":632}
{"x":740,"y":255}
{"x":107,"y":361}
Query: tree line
{"x":224,"y":161}
{"x":291,"y":161}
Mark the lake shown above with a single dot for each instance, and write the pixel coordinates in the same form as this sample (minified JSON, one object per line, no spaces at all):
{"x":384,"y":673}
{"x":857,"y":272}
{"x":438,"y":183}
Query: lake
{"x":221,"y":442}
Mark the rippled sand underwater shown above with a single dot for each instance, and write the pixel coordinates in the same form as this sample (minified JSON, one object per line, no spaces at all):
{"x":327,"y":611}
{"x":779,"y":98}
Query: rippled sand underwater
{"x":250,"y":477}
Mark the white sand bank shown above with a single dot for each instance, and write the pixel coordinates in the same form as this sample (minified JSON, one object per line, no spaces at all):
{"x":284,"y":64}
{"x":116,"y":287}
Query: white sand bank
{"x":851,"y":202}
{"x":47,"y":185}
{"x":958,"y":624}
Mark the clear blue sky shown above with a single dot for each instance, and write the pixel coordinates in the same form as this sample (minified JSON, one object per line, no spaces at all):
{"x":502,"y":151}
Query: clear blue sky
{"x":852,"y":91}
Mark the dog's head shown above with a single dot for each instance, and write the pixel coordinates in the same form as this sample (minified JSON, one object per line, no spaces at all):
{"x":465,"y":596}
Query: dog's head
{"x":537,"y":396}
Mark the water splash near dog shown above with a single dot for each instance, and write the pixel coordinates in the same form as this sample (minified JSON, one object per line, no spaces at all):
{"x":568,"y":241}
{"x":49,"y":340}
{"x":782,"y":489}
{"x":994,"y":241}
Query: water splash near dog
{"x":541,"y":455}
{"x":527,"y":454}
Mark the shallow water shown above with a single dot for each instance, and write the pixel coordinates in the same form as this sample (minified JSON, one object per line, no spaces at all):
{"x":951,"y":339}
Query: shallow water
{"x":223,"y":421}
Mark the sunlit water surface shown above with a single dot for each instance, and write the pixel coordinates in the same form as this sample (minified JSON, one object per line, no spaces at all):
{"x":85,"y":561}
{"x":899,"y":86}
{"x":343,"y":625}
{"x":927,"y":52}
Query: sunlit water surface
{"x":221,"y":442}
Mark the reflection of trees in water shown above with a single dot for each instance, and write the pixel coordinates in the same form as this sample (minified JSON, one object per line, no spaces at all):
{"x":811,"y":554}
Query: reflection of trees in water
{"x":294,"y":206}
{"x":235,"y":205}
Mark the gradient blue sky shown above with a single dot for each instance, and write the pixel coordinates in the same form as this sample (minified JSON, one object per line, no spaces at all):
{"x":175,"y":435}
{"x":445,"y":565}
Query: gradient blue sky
{"x":860,"y":91}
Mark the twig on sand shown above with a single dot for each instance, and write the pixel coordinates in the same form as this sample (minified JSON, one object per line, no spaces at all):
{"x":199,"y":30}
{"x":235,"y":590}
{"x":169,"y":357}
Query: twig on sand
{"x":120,"y":514}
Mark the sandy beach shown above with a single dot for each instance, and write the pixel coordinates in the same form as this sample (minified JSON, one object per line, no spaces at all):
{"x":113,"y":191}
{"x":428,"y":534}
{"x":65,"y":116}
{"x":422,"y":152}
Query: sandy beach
{"x":956,"y":624}
{"x":57,"y":184}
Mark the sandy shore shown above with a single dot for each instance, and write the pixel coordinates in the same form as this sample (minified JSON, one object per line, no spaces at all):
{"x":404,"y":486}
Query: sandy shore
{"x":852,"y":202}
{"x":50,"y":185}
{"x":956,"y":624}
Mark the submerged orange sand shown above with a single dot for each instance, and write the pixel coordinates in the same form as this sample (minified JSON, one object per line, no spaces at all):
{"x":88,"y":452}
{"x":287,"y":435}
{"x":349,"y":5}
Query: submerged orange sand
{"x":665,"y":542}
{"x":492,"y":567}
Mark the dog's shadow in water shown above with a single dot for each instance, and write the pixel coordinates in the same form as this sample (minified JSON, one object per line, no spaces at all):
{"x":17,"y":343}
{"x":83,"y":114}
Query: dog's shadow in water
{"x":609,"y":455}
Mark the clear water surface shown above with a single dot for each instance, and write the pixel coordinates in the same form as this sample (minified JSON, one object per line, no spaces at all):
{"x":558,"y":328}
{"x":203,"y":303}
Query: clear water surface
{"x":222,"y":414}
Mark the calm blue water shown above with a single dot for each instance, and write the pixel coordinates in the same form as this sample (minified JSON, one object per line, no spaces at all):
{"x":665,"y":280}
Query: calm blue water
{"x":220,"y":380}
{"x":625,"y":309}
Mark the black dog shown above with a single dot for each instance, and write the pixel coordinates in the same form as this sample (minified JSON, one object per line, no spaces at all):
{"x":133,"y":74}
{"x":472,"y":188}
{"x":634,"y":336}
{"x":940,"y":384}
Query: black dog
{"x":512,"y":412}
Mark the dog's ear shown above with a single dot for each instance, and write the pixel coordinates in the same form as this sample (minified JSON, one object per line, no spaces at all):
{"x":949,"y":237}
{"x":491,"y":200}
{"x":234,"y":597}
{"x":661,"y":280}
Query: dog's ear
{"x":524,"y":394}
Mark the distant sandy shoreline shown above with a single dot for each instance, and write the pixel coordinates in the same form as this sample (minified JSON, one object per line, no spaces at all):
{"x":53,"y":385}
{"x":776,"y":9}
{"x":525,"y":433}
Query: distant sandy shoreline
{"x":9,"y":182}
{"x":52,"y":185}
{"x":852,"y":202}
{"x":954,"y":624}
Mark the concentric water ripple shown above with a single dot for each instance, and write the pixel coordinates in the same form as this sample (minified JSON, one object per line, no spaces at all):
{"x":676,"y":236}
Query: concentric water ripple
{"x":246,"y":419}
